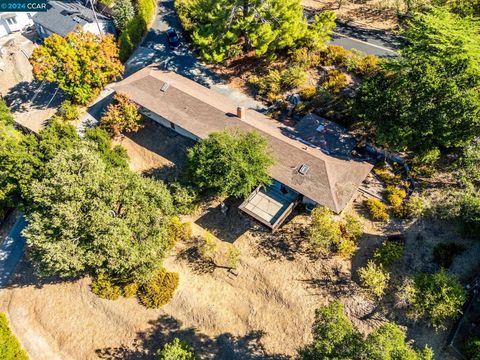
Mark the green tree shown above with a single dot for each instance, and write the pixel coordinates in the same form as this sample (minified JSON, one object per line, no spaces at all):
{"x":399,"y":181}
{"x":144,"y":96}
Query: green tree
{"x":436,"y":297}
{"x":324,"y":231}
{"x":10,"y":348}
{"x":335,"y":338}
{"x":431,"y":93}
{"x":81,"y":63}
{"x":374,"y":278}
{"x":122,"y":116}
{"x":114,"y":155}
{"x":224,"y":28}
{"x":123,"y":12}
{"x":85,"y":218}
{"x":229,"y":163}
{"x":176,"y":350}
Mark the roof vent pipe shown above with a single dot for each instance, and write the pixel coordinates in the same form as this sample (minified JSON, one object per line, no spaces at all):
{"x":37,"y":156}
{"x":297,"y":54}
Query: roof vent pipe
{"x":241,"y":112}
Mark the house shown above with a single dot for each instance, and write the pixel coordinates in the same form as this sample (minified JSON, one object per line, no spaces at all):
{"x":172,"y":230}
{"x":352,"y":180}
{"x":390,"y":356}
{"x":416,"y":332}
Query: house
{"x":315,"y":162}
{"x":14,"y":21}
{"x":63,"y":17}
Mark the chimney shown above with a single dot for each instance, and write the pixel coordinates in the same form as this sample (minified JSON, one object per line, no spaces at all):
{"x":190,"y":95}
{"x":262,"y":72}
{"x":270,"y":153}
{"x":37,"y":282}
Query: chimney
{"x":241,"y":112}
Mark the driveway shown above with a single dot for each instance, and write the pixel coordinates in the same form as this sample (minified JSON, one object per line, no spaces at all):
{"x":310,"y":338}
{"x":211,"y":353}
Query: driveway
{"x":11,"y":251}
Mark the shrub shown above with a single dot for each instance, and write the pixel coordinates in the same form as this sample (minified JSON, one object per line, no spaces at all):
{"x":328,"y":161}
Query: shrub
{"x":176,"y":350}
{"x":444,"y":253}
{"x":123,"y":13}
{"x":334,"y":55}
{"x":351,"y":227}
{"x":69,"y":111}
{"x":268,"y":85}
{"x":294,"y":77}
{"x":388,"y":253}
{"x":374,"y":278}
{"x":10,"y":348}
{"x":324,"y":231}
{"x":385,"y":174}
{"x":412,"y":208}
{"x":179,"y":231}
{"x":131,"y":36}
{"x":104,"y":287}
{"x":308,"y":93}
{"x":395,"y":195}
{"x":469,"y":205}
{"x":305,"y":58}
{"x":122,"y":116}
{"x":159,"y":290}
{"x":346,"y":247}
{"x":111,"y":288}
{"x":436,"y":297}
{"x":233,"y":254}
{"x":185,"y":198}
{"x":366,"y":66}
{"x":335,"y":81}
{"x":472,"y":348}
{"x":378,"y":210}
{"x":146,"y":10}
{"x":209,"y":246}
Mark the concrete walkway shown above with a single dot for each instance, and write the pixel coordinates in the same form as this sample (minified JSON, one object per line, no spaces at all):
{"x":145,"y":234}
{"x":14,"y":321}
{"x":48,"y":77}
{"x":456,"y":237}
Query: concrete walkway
{"x":11,"y":251}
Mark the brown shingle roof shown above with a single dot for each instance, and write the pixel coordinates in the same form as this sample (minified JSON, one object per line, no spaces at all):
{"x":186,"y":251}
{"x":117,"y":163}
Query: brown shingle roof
{"x":330,"y":181}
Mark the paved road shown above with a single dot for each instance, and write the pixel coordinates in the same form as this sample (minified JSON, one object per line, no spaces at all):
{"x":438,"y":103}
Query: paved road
{"x":11,"y":251}
{"x":369,"y":41}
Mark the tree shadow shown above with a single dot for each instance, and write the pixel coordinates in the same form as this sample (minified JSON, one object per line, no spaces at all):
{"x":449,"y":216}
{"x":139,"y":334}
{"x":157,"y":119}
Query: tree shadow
{"x":227,"y":226}
{"x":34,"y":95}
{"x":193,"y":256}
{"x":222,"y":347}
{"x":25,"y":275}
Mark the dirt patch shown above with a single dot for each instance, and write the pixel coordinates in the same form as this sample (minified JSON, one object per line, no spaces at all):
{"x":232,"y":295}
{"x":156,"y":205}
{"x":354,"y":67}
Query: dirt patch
{"x":375,"y":14}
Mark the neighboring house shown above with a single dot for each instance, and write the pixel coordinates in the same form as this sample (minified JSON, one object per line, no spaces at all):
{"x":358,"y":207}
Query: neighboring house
{"x":63,"y":17}
{"x":14,"y":21}
{"x":315,"y":162}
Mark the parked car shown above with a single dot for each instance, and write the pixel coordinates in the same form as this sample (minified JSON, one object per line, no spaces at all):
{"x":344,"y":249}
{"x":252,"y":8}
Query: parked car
{"x":173,"y":39}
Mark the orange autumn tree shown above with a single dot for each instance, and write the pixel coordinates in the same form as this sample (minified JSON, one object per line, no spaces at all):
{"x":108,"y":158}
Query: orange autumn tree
{"x":81,"y":63}
{"x":121,"y":116}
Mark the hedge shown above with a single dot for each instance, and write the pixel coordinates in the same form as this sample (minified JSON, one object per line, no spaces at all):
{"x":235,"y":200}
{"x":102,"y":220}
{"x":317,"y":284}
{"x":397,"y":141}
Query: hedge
{"x":10,"y":348}
{"x":133,"y":33}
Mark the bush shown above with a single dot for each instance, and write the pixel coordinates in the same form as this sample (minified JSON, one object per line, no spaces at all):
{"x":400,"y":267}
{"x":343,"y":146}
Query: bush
{"x":334,"y":55}
{"x":146,"y":10}
{"x":378,"y":210}
{"x":436,"y":297}
{"x":179,"y":231}
{"x":209,"y":246}
{"x":374,"y":278}
{"x":69,"y":111}
{"x":395,"y":195}
{"x":472,"y":348}
{"x":305,"y":58}
{"x":324,"y":231}
{"x":233,"y":254}
{"x":268,"y":85}
{"x":365,"y":66}
{"x":335,"y":81}
{"x":123,"y":13}
{"x":388,"y":253}
{"x":176,"y":350}
{"x":308,"y":93}
{"x":352,"y":228}
{"x":185,"y":198}
{"x":104,"y":287}
{"x":121,"y":116}
{"x":111,"y":288}
{"x":346,"y":247}
{"x":159,"y":290}
{"x":294,"y":77}
{"x":412,"y":208}
{"x":469,"y":205}
{"x":131,"y":36}
{"x":444,"y":253}
{"x":10,"y":348}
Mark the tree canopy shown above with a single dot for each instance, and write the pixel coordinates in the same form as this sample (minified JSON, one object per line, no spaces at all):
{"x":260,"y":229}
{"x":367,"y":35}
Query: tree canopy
{"x":86,"y":217}
{"x":176,"y":350}
{"x":81,"y":63}
{"x":225,"y":28}
{"x":121,"y":116}
{"x":229,"y":163}
{"x":334,"y":337}
{"x":431,"y":93}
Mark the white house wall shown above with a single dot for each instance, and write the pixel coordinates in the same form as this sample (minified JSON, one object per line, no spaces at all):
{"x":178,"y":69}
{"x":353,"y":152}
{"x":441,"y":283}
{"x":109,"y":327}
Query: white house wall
{"x":166,"y":123}
{"x":22,"y":20}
